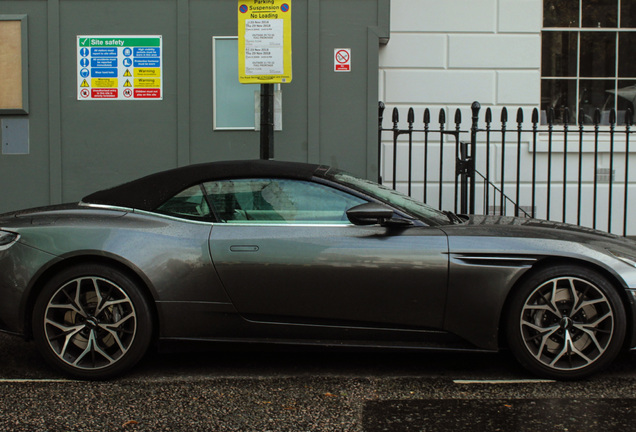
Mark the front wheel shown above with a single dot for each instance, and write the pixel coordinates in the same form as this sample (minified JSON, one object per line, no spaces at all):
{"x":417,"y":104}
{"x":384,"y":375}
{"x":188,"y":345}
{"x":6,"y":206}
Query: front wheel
{"x":92,"y":322}
{"x":566,"y":322}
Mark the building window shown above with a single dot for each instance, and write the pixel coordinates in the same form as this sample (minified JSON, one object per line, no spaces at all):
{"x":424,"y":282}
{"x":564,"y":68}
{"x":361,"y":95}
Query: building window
{"x":587,"y":59}
{"x":233,"y":102}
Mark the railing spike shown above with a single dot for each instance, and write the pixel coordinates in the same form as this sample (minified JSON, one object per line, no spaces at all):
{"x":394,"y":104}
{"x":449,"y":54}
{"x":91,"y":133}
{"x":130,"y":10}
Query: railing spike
{"x":535,"y":116}
{"x":504,"y":115}
{"x":566,"y":116}
{"x":411,"y":116}
{"x":442,"y":116}
{"x":396,"y":115}
{"x":629,"y":117}
{"x":581,"y":117}
{"x":551,"y":116}
{"x":427,"y":116}
{"x":597,"y":117}
{"x":612,"y":117}
{"x":458,"y":117}
{"x":520,"y":115}
{"x":488,"y":115}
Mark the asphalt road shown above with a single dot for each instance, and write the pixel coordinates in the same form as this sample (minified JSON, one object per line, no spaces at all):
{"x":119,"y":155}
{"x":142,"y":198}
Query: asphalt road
{"x":262,"y":389}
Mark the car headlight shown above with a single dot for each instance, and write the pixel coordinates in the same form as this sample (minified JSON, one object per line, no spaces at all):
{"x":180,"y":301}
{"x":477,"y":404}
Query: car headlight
{"x":7,"y":239}
{"x":626,"y":258}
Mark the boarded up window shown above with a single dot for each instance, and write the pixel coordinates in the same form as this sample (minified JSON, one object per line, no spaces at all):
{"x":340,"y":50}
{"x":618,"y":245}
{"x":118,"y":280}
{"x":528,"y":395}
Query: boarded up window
{"x":11,"y":65}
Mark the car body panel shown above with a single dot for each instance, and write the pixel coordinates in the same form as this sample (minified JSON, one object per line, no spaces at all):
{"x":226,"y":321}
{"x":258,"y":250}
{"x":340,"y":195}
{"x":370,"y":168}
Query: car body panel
{"x":170,"y":255}
{"x":494,"y":252}
{"x":334,"y":274}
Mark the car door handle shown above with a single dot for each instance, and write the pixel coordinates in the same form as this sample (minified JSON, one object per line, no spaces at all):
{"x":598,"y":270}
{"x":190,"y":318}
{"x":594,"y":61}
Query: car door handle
{"x":244,"y":248}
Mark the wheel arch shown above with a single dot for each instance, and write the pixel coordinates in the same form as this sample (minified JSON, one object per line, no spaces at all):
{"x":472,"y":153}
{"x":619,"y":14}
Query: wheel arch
{"x":628,"y":306}
{"x":126,"y":268}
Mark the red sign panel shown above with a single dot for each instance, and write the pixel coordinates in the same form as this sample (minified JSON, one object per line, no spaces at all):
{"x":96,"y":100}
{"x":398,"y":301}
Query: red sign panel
{"x":147,"y":93}
{"x":104,"y":93}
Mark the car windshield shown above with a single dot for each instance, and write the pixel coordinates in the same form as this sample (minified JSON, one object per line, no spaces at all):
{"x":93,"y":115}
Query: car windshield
{"x":393,"y":197}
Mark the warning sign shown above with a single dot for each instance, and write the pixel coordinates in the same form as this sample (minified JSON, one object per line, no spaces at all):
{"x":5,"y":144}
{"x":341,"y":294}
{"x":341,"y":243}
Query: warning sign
{"x":104,"y":65}
{"x":147,"y":72}
{"x":104,"y":82}
{"x":342,"y":60}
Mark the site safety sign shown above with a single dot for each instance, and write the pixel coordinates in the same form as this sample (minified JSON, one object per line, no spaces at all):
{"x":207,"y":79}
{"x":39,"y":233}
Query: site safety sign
{"x":119,"y":68}
{"x":264,"y":41}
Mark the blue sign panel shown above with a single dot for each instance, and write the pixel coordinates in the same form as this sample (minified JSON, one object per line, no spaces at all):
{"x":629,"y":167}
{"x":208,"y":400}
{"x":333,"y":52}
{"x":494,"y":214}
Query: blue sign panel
{"x":146,"y":52}
{"x":103,"y":62}
{"x":104,"y":72}
{"x":103,"y":52}
{"x":144,"y":63}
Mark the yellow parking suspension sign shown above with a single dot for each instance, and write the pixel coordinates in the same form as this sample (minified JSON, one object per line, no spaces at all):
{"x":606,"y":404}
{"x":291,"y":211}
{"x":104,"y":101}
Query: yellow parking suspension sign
{"x":264,"y":41}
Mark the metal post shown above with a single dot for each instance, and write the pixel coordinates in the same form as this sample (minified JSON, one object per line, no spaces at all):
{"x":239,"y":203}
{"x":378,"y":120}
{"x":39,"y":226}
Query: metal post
{"x":381,"y":108}
{"x":267,"y":121}
{"x":463,"y":168}
{"x":475,"y":107}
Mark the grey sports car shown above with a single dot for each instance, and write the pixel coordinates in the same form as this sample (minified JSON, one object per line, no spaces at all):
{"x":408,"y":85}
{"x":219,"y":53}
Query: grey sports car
{"x":290,"y":253}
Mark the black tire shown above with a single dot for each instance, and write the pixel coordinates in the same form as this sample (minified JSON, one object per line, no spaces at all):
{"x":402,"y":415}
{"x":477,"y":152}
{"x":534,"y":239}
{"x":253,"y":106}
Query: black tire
{"x":91,"y":321}
{"x":565,"y":322}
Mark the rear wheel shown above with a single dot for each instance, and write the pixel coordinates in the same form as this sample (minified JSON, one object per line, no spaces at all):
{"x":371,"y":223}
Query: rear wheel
{"x":92,"y":322}
{"x":566,"y":322}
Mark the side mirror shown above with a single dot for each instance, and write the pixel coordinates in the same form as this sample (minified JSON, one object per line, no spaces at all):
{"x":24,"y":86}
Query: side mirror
{"x":369,"y":214}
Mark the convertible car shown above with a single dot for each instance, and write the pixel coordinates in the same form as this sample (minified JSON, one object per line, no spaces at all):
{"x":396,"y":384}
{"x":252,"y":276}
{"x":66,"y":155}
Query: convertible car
{"x":290,"y":253}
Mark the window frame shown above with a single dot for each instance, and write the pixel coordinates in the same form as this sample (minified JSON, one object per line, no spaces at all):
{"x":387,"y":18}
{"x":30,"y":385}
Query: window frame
{"x":579,"y":30}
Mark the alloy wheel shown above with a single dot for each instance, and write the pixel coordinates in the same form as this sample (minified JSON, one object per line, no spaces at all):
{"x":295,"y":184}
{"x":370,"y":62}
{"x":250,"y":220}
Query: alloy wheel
{"x":567,"y":323}
{"x":90,"y":323}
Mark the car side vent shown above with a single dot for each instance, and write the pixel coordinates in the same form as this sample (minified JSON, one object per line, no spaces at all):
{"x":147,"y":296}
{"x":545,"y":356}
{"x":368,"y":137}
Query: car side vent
{"x":490,"y":260}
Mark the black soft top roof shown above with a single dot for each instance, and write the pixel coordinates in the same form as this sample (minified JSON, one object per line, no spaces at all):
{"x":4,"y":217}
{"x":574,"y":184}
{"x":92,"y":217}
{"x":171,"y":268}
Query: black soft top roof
{"x":150,"y":192}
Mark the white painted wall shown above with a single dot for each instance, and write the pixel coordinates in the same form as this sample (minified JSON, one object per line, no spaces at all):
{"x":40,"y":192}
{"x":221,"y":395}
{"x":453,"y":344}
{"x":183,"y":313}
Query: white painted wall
{"x":452,"y":52}
{"x":445,"y":54}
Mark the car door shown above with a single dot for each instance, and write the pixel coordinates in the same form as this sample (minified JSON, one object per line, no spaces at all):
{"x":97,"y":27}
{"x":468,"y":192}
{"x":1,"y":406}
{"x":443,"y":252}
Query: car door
{"x":286,"y":252}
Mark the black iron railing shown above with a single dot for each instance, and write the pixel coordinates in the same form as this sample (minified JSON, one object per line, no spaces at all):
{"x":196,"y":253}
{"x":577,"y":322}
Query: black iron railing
{"x":576,"y":173}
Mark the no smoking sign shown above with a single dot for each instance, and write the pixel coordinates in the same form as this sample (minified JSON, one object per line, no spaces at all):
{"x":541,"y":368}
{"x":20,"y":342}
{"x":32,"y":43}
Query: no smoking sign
{"x":342,"y":60}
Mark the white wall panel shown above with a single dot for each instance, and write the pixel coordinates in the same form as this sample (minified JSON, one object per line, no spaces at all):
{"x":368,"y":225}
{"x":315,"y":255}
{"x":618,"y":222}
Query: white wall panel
{"x":520,"y":16}
{"x":439,"y":87}
{"x":518,"y":87}
{"x":443,"y":16}
{"x":415,"y":50}
{"x":494,"y":51}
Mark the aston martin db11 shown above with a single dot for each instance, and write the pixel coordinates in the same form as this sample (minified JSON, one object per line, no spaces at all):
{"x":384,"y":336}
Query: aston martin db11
{"x":290,"y":253}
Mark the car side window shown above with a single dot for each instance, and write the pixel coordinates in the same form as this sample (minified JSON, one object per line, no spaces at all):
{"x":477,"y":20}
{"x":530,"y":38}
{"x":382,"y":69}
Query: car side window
{"x":189,"y":204}
{"x":279,"y":201}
